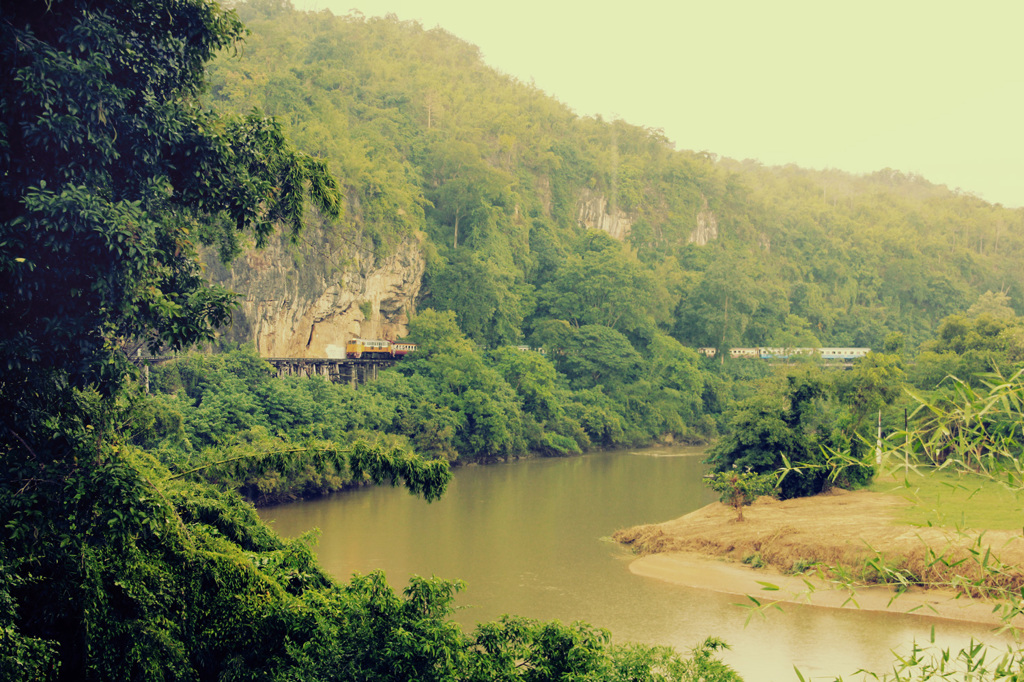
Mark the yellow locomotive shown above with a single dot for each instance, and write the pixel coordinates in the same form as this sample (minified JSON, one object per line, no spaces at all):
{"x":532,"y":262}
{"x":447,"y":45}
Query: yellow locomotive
{"x":377,"y":348}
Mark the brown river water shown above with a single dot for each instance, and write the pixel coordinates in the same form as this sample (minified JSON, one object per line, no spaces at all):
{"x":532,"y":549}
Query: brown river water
{"x":532,"y":538}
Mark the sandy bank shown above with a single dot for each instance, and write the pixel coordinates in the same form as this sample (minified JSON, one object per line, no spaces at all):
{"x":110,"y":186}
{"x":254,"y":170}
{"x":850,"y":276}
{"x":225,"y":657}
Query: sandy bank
{"x":692,"y":570}
{"x":856,"y":531}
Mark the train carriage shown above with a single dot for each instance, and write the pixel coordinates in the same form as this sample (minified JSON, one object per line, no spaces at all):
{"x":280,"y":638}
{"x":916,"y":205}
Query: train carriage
{"x":844,"y":353}
{"x":368,"y":348}
{"x":400,"y":350}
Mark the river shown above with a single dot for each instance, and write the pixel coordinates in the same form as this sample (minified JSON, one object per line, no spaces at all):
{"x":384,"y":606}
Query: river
{"x":531,"y":538}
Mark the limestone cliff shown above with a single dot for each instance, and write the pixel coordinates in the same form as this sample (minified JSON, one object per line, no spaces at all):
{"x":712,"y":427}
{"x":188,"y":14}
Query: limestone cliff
{"x":594,"y":212}
{"x":706,"y":229}
{"x":307,"y":300}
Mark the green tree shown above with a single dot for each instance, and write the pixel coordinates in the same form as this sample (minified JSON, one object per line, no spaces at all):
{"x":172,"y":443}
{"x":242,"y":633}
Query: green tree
{"x":720,"y":308}
{"x":780,"y":430}
{"x":875,"y":382}
{"x":543,"y":394}
{"x":535,"y":380}
{"x":437,"y":333}
{"x":600,"y":284}
{"x":668,"y":399}
{"x":111,"y":174}
{"x":596,"y":355}
{"x":758,"y":436}
{"x":993,"y":304}
{"x":795,"y":333}
{"x":489,"y":420}
{"x":740,"y":488}
{"x":462,"y":184}
{"x":489,"y":305}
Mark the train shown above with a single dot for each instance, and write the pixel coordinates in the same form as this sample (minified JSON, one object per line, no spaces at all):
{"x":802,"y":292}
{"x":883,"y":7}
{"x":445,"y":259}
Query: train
{"x":763,"y":353}
{"x":382,"y":348}
{"x":377,"y":348}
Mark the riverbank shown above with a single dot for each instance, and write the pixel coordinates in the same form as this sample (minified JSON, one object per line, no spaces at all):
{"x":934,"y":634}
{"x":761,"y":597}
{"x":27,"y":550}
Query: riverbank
{"x":814,"y":550}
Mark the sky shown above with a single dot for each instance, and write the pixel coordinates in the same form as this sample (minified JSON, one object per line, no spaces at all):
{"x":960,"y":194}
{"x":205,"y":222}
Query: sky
{"x":931,"y":88}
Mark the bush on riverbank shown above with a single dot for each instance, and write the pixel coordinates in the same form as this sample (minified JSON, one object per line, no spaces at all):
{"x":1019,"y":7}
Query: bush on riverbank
{"x":810,"y":427}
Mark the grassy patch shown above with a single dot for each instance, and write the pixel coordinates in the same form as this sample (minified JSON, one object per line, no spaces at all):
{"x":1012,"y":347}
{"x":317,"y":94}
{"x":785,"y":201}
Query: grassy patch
{"x":754,"y":560}
{"x":801,"y":566}
{"x":942,"y":498}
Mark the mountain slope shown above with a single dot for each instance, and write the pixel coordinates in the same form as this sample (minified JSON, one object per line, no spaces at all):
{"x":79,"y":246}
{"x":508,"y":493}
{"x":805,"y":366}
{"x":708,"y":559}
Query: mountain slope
{"x":504,"y":182}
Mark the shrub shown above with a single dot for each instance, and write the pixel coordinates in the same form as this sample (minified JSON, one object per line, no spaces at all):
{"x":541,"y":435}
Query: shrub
{"x":738,"y":489}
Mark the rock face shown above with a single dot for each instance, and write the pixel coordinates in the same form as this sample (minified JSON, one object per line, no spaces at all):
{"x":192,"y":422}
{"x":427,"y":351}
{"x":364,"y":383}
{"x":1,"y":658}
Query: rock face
{"x":593,"y":213}
{"x":308,"y":300}
{"x":707,"y":226}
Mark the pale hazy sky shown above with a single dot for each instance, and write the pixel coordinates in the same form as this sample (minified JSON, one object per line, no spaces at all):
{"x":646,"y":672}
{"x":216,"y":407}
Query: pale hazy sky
{"x":933,"y":88}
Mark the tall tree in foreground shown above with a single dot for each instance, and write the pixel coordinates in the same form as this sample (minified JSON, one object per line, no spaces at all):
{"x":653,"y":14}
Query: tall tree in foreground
{"x":111,"y":174}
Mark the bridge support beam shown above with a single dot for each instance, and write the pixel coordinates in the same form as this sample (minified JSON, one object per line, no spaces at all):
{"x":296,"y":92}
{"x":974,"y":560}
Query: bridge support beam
{"x":350,"y":370}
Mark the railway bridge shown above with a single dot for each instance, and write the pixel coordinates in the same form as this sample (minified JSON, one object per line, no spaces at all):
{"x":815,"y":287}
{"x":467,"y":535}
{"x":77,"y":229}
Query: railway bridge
{"x":350,"y":371}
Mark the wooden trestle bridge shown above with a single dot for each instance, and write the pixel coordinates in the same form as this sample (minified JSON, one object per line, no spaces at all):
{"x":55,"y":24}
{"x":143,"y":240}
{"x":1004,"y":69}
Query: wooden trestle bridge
{"x":339,"y":370}
{"x":349,"y":371}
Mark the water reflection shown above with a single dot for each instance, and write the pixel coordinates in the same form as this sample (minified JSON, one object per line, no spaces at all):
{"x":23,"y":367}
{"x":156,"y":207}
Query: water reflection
{"x":531,"y":538}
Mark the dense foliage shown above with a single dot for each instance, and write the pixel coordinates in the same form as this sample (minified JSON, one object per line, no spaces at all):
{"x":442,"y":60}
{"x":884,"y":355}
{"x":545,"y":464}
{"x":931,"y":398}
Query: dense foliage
{"x":972,"y":431}
{"x":227,"y":416}
{"x":112,"y":566}
{"x":800,"y":420}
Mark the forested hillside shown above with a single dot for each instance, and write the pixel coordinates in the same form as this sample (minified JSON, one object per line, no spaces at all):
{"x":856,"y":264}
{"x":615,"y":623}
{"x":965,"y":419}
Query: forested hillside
{"x":507,"y":183}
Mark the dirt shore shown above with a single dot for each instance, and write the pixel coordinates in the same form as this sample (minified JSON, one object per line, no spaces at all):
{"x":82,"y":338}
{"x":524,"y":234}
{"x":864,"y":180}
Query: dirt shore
{"x":854,"y":533}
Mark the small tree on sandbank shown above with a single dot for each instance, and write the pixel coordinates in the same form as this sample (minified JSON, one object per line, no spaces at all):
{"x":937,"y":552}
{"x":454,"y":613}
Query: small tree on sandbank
{"x":740,"y":488}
